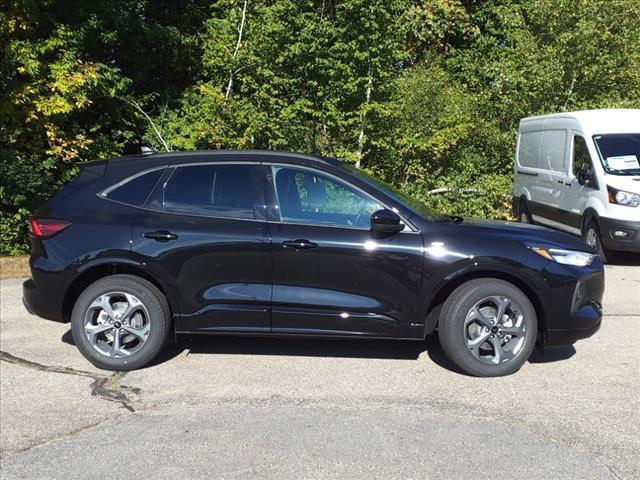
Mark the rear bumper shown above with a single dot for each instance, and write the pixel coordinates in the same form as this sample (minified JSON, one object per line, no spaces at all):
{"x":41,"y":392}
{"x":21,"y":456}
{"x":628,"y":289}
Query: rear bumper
{"x":630,"y":242}
{"x":43,"y":302}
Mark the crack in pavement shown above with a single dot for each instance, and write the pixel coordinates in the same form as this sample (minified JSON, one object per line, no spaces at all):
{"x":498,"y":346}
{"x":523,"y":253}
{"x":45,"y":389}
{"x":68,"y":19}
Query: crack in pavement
{"x":107,"y":388}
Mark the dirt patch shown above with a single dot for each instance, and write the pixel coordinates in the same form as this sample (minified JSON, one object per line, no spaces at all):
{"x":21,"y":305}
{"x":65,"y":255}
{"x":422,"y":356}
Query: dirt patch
{"x":14,"y":267}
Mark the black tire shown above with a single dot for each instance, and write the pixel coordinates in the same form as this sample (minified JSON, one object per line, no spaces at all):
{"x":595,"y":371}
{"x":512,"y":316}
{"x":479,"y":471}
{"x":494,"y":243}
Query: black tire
{"x":451,"y":329}
{"x":524,"y":216}
{"x":590,"y":235}
{"x":159,"y":321}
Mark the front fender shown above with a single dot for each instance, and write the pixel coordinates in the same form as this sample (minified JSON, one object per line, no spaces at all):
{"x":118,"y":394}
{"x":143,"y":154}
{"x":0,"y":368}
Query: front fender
{"x":440,"y":284}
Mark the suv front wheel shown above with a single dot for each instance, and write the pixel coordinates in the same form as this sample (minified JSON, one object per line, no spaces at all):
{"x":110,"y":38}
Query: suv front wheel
{"x":488,"y":327}
{"x":120,"y":322}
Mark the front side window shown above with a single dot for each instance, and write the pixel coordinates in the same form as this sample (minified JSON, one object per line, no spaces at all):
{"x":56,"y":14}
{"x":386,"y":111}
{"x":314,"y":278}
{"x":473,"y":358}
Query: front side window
{"x":215,"y":190}
{"x":581,"y":157}
{"x":308,"y":197}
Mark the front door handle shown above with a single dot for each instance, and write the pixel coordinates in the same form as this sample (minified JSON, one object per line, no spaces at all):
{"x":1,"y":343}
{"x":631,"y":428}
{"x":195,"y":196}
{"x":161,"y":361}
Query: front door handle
{"x":161,"y":235}
{"x":299,"y":244}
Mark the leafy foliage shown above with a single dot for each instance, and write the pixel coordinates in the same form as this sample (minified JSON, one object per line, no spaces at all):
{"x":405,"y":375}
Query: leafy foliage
{"x":424,"y":94}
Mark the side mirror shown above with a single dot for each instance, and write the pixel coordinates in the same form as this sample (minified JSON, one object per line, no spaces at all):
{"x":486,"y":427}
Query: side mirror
{"x":386,"y":221}
{"x":585,"y":175}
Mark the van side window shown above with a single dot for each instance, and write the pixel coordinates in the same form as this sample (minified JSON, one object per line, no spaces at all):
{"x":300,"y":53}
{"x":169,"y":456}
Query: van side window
{"x":581,"y":155}
{"x":543,"y":149}
{"x":217,"y":190}
{"x":552,"y":150}
{"x":529,"y":149}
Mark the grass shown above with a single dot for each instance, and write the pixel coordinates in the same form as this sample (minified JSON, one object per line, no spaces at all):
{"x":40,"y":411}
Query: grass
{"x":14,"y":267}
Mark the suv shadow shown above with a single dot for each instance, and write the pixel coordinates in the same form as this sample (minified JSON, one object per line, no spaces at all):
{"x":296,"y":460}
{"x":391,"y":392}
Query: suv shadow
{"x":624,"y":259}
{"x":331,"y":348}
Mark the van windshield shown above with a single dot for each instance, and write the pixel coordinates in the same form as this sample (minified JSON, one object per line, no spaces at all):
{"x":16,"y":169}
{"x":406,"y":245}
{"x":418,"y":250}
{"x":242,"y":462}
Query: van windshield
{"x":619,"y":153}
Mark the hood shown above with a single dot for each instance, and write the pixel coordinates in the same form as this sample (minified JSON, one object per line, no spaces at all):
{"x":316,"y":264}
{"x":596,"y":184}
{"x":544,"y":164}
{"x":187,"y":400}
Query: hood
{"x":628,"y":183}
{"x":523,"y":232}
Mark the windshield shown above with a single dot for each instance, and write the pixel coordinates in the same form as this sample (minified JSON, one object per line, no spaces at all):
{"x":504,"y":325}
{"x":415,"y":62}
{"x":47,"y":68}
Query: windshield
{"x":619,"y":153}
{"x":421,"y":208}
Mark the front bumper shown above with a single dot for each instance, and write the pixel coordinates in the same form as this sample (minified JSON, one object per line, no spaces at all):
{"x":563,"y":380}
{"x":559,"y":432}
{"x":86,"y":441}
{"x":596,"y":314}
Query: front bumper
{"x":630,"y":242}
{"x":573,"y":306}
{"x":587,"y":322}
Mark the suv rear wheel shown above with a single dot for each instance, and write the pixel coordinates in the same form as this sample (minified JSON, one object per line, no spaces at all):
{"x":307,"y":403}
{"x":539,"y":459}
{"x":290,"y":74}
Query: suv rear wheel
{"x":120,"y":322}
{"x":488,"y":327}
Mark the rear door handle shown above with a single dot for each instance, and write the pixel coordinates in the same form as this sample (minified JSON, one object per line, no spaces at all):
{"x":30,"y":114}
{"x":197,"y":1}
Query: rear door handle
{"x":161,"y":235}
{"x":299,"y":244}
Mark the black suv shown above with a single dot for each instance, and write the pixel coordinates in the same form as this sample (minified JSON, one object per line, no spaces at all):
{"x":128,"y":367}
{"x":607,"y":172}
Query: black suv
{"x":250,"y":242}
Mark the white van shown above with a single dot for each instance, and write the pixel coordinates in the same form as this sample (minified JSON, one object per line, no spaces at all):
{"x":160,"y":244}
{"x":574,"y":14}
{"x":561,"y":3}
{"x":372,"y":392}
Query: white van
{"x":580,"y":172}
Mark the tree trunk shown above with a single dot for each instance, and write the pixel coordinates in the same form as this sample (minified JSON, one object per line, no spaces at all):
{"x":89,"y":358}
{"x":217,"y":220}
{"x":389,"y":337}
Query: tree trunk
{"x":235,"y":52}
{"x":137,"y":106}
{"x":362,"y":123}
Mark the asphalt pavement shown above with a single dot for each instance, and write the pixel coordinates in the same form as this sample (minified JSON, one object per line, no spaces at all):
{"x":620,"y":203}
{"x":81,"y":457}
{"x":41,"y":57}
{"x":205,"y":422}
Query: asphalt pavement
{"x":223,"y":407}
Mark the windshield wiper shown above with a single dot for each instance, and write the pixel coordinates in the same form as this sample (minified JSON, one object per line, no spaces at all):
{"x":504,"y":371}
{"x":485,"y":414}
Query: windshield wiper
{"x":630,"y":171}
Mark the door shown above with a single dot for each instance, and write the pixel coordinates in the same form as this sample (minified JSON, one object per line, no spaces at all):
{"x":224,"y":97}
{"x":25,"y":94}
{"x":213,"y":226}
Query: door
{"x":331,"y":274}
{"x":552,"y":180}
{"x":577,"y":196}
{"x":201,"y":232}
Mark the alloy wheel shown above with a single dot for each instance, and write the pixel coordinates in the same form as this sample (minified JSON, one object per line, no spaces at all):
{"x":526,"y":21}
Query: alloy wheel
{"x":495,"y":330}
{"x":117,"y":324}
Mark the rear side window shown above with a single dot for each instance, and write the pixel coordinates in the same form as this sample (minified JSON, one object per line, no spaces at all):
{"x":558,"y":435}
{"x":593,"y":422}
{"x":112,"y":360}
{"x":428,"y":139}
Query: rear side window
{"x":136,"y":190}
{"x":216,"y":190}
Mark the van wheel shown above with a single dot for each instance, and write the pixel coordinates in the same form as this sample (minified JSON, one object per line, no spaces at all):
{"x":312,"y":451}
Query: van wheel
{"x":524,"y":215}
{"x":488,"y":327}
{"x":593,"y":238}
{"x":120,"y":322}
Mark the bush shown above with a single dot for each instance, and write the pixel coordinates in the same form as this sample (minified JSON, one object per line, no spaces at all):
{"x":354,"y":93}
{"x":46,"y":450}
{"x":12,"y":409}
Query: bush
{"x":488,"y":197}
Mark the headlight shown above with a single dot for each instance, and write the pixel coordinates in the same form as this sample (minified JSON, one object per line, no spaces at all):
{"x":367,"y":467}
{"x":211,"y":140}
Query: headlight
{"x":566,"y":257}
{"x":620,"y":197}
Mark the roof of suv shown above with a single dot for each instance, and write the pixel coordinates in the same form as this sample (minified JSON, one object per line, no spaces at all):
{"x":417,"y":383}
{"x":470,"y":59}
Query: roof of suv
{"x":221,"y":155}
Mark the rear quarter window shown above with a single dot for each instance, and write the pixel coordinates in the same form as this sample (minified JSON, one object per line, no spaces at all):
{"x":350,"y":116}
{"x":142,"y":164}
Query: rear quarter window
{"x":135,"y":190}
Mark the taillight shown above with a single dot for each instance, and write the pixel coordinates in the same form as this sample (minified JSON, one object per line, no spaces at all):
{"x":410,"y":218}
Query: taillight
{"x":46,"y":227}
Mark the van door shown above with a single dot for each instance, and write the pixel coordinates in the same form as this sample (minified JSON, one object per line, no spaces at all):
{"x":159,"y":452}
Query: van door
{"x":577,"y":196}
{"x":553,"y":179}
